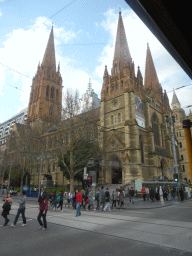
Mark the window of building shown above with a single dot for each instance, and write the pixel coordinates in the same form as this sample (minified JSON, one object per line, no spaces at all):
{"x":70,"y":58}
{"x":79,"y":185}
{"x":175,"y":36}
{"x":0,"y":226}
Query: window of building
{"x":181,"y":157}
{"x":180,"y":144}
{"x":112,"y":119}
{"x":51,"y":110}
{"x":119,"y":117}
{"x":116,"y":85}
{"x":112,"y":87}
{"x":47,"y":91}
{"x":183,"y":166}
{"x":177,"y":134}
{"x":122,"y":84}
{"x":107,"y":89}
{"x":180,"y":134}
{"x":155,"y":129}
{"x":57,"y":94}
{"x":48,"y":169}
{"x":53,"y":168}
{"x":115,"y":68}
{"x":52,"y":92}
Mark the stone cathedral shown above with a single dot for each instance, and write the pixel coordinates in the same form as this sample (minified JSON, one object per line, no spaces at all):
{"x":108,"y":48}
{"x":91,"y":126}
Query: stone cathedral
{"x":129,"y":123}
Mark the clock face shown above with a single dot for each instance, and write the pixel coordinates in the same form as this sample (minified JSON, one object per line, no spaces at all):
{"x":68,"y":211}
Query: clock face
{"x":115,"y":104}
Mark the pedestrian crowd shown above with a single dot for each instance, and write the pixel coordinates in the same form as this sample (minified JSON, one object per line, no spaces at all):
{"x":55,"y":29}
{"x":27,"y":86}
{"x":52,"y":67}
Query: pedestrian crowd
{"x":84,"y":200}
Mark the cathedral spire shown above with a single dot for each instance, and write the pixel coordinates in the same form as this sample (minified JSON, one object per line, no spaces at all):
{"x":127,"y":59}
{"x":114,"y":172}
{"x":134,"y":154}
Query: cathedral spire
{"x":151,"y":79}
{"x":121,"y":47}
{"x":175,"y":102}
{"x":49,"y":56}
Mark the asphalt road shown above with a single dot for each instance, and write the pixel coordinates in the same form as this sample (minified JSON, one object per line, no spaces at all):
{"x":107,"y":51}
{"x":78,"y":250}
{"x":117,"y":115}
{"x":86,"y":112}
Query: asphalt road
{"x":119,"y":232}
{"x":60,"y":240}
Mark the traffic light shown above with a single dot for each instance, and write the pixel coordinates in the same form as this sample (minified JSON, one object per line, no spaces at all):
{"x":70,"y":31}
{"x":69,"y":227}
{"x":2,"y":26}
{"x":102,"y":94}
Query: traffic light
{"x":175,"y":177}
{"x":187,"y":123}
{"x":89,"y":180}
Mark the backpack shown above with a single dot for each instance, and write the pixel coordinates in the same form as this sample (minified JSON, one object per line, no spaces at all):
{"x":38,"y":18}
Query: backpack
{"x":6,"y":206}
{"x":57,"y":199}
{"x":97,"y":197}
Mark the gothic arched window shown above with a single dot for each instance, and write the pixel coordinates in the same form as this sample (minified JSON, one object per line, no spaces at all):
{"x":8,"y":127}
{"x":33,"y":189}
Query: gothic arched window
{"x":155,"y":129}
{"x":57,"y":94}
{"x":112,"y":119}
{"x":52,"y":92}
{"x":122,"y":84}
{"x":51,"y":110}
{"x":116,"y":85}
{"x":47,"y":91}
{"x":107,"y":89}
{"x":119,"y":117}
{"x":112,"y":87}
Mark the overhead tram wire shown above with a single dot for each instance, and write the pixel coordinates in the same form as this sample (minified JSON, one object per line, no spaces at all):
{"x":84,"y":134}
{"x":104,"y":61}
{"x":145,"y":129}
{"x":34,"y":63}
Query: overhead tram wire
{"x":55,"y":14}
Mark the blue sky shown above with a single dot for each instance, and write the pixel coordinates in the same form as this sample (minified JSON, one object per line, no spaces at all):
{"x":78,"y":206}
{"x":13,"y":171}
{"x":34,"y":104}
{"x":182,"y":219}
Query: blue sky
{"x":24,"y":39}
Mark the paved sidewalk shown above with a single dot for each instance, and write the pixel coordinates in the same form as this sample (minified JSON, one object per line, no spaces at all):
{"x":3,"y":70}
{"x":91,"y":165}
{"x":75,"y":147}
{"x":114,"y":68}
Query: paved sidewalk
{"x":138,"y":203}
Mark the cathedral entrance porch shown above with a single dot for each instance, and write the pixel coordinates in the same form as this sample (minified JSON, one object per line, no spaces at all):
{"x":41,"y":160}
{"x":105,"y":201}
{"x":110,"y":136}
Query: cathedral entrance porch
{"x":116,"y":171}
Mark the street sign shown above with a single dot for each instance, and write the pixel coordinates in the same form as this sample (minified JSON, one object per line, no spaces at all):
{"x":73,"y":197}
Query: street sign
{"x":173,"y":169}
{"x":85,"y":176}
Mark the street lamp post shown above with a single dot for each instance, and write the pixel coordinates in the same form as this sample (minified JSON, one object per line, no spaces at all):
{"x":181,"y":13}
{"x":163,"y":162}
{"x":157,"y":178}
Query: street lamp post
{"x":41,"y":170}
{"x":2,"y":179}
{"x":171,"y":120}
{"x":9,"y":178}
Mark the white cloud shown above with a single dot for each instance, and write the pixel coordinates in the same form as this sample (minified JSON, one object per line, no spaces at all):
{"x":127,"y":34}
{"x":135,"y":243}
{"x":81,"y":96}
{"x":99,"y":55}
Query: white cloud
{"x":23,"y":50}
{"x":169,"y":72}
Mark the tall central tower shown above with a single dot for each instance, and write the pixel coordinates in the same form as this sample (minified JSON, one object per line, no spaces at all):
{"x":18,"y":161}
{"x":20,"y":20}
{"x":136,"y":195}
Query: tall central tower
{"x":46,"y":91}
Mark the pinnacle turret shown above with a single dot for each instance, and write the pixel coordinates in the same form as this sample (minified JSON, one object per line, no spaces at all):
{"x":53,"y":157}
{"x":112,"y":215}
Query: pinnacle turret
{"x":175,"y":102}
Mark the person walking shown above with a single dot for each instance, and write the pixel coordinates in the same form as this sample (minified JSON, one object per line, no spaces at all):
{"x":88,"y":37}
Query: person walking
{"x":181,"y":193}
{"x":83,"y":198}
{"x":102,"y":197}
{"x":97,"y":198}
{"x":68,"y":198}
{"x":86,"y":198}
{"x":6,"y":208}
{"x":131,"y":194}
{"x":61,"y":200}
{"x":157,"y":193}
{"x":78,"y":202}
{"x":147,"y":193}
{"x":151,"y":194}
{"x":107,"y":199}
{"x":21,"y":210}
{"x":121,"y":199}
{"x":114,"y":199}
{"x":54,"y":202}
{"x":43,"y":205}
{"x":143,"y":193}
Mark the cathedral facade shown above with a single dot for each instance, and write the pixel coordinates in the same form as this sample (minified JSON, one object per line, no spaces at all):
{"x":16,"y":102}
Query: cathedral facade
{"x":130,"y":123}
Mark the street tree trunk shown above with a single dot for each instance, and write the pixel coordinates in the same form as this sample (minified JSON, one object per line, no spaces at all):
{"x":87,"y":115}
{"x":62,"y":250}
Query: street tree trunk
{"x":71,"y":172}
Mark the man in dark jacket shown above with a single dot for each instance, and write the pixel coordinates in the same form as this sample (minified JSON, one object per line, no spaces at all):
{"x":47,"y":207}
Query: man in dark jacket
{"x":131,"y":193}
{"x":102,"y":197}
{"x":107,"y":199}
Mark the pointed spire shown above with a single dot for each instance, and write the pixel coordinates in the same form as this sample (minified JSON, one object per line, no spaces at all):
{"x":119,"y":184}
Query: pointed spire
{"x":105,"y":72}
{"x":151,"y":79}
{"x":49,"y":56}
{"x":175,"y":102}
{"x":139,"y":76}
{"x":121,"y":47}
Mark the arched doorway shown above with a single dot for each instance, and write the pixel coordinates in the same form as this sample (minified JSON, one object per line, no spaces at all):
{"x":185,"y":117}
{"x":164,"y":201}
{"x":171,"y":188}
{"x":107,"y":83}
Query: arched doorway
{"x":116,"y":171}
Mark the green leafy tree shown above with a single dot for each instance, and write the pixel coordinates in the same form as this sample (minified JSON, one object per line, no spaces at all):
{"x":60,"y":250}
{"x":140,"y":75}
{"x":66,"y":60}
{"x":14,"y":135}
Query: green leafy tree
{"x":73,"y":161}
